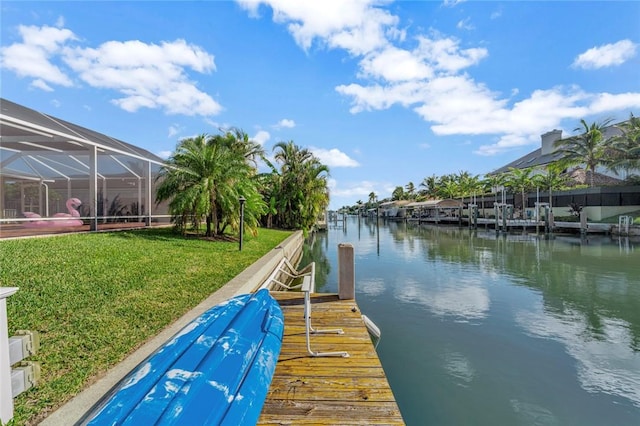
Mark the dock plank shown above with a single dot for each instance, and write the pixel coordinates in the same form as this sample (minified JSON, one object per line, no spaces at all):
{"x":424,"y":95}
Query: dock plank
{"x":328,"y":390}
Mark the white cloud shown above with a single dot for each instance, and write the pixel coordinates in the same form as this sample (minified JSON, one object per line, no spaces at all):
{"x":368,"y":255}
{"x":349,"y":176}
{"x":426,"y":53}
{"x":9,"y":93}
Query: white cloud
{"x":378,"y":96}
{"x":465,"y":24}
{"x":393,"y":64}
{"x":435,"y":55}
{"x":174,"y":129}
{"x":607,"y":55}
{"x":356,"y":26}
{"x":146,"y":75}
{"x":605,"y":102}
{"x":32,"y":57}
{"x":457,"y":105}
{"x":261,"y":137}
{"x":217,"y":125}
{"x":446,"y":55}
{"x":545,"y":109}
{"x":40,"y":84}
{"x":506,"y":143}
{"x":285,"y":122}
{"x":358,"y":189}
{"x":432,"y":78}
{"x":334,"y":157}
{"x":164,"y":154}
{"x":452,"y":3}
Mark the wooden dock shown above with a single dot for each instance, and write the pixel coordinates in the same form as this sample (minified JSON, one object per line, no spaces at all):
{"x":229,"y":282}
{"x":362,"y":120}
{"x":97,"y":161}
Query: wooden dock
{"x":327,"y":390}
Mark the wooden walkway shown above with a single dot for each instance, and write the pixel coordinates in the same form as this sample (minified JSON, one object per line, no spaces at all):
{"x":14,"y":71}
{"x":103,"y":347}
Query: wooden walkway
{"x":328,"y":390}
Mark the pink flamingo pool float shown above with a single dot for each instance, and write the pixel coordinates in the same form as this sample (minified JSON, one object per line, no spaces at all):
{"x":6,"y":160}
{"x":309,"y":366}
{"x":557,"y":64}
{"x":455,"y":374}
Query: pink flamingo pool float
{"x":66,"y":219}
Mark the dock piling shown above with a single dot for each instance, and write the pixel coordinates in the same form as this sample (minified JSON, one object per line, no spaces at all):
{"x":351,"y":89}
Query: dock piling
{"x":346,"y":272}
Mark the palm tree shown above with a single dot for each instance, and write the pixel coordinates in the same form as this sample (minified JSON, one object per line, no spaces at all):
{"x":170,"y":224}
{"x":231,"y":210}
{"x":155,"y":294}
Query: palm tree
{"x":372,"y":198}
{"x":495,"y":183}
{"x":250,"y":150}
{"x":448,"y":188}
{"x":316,"y":189}
{"x":624,"y":149}
{"x":398,"y":193}
{"x":205,"y":177}
{"x":270,"y":185}
{"x":520,"y":180}
{"x":246,"y":153}
{"x":411,"y":189}
{"x":300,"y":191}
{"x":430,"y":185}
{"x":467,"y":184}
{"x":289,"y":195}
{"x":550,"y":180}
{"x":587,"y":148}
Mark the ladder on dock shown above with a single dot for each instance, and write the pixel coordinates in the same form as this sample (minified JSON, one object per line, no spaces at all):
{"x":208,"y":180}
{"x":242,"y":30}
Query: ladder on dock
{"x":285,"y":271}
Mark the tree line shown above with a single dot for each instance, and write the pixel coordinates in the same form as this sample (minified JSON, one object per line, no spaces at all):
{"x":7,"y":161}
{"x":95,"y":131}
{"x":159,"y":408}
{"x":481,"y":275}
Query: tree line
{"x":620,"y":153}
{"x":205,"y":178}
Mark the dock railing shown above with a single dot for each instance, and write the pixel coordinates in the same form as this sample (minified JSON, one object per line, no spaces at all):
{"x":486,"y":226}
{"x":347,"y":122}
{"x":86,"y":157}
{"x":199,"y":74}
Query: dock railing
{"x":308,"y":287}
{"x":623,"y":224}
{"x":285,"y":271}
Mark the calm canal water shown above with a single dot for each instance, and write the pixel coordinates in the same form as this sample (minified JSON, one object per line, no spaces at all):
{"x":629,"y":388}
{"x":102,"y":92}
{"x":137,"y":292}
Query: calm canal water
{"x":486,"y":329}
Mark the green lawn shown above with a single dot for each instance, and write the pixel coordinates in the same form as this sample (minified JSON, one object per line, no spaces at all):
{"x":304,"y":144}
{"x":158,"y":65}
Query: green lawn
{"x":94,"y":298}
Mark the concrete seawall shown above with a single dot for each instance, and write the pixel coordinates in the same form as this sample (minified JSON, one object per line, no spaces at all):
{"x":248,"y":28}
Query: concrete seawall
{"x":245,"y":282}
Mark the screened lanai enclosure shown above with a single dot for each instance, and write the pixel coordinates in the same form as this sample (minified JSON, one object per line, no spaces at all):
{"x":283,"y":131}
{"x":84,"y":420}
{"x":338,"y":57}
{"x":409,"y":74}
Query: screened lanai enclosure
{"x":56,"y":176}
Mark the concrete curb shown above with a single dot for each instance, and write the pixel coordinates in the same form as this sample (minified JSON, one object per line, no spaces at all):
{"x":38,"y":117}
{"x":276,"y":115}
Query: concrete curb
{"x":246,"y":282}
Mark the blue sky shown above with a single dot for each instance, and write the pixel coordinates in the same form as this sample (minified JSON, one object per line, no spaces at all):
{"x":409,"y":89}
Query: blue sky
{"x":384,"y":92}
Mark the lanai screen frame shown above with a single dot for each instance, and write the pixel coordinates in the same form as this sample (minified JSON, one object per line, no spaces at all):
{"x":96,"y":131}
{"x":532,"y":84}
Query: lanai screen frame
{"x":47,"y":151}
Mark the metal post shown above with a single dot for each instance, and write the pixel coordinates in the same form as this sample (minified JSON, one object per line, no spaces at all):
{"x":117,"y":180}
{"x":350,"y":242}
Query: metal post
{"x":148,"y":194}
{"x":93,"y":188}
{"x":242,"y":200}
{"x":505,"y":215}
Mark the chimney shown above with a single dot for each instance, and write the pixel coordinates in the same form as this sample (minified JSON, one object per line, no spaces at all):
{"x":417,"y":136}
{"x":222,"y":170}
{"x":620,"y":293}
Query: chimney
{"x":549,"y":139}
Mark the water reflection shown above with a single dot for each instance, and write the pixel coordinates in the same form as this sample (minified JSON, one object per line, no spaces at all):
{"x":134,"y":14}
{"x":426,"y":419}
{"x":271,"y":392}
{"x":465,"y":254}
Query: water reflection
{"x":449,"y":297}
{"x":607,"y":360}
{"x":532,"y":414}
{"x":371,"y":286}
{"x":498,"y":329}
{"x":459,"y":368}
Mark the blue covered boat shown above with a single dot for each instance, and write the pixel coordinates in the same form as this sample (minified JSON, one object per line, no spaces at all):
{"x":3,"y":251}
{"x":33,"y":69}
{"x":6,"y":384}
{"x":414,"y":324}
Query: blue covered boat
{"x":215,"y":371}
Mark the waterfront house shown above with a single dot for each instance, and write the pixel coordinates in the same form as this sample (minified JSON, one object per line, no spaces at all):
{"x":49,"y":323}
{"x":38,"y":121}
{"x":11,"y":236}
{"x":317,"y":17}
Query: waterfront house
{"x":548,"y":153}
{"x":609,"y":196}
{"x":45,"y":162}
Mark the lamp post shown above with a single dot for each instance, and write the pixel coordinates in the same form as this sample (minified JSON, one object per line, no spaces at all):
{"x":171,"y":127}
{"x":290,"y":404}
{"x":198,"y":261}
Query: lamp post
{"x":242,"y":200}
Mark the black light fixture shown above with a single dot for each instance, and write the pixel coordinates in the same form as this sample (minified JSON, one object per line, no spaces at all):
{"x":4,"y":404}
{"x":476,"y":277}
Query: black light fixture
{"x":242,"y":200}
